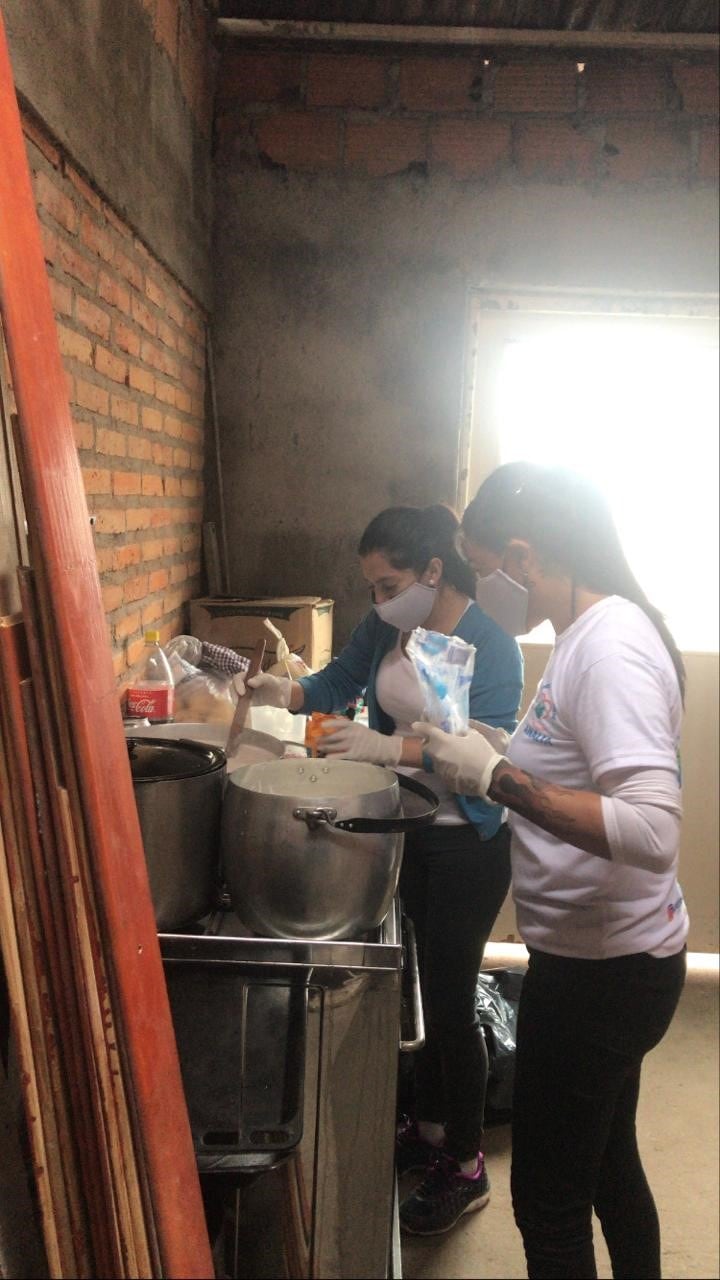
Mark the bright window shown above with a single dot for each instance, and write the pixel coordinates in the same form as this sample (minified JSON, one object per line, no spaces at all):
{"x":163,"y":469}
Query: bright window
{"x":631,"y":400}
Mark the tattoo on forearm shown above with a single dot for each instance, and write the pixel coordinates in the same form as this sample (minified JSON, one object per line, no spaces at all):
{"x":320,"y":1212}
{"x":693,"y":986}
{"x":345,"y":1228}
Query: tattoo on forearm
{"x":547,"y":806}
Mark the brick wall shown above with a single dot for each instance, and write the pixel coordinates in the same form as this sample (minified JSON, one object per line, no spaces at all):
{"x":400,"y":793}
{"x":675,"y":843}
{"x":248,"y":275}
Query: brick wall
{"x":133,"y":344}
{"x":539,"y":118}
{"x":182,"y":29}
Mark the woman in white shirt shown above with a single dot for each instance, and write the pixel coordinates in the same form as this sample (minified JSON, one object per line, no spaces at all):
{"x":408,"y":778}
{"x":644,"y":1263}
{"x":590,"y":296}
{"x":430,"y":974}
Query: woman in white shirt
{"x":591,"y":780}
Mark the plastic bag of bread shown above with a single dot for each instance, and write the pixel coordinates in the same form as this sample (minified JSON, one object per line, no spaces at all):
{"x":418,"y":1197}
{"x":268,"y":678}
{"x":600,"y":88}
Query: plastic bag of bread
{"x":206,"y":697}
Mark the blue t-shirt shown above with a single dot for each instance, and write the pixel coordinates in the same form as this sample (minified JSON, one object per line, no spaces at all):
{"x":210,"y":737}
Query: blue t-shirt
{"x":495,"y":690}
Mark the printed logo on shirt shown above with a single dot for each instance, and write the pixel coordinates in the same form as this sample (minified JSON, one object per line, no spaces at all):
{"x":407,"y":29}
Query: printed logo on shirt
{"x":675,"y":908}
{"x":541,"y":717}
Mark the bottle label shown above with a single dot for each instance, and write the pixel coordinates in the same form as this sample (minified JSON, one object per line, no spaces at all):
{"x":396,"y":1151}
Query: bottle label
{"x":155,"y":704}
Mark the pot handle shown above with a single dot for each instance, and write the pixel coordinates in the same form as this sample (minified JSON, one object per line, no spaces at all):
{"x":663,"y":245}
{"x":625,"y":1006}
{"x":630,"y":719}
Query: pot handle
{"x":381,"y":826}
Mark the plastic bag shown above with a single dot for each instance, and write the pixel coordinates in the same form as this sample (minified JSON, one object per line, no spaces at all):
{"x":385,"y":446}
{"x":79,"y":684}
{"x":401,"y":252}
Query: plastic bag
{"x":497,"y":997}
{"x":445,"y":666}
{"x":210,"y":657}
{"x":204,"y":697}
{"x":286,"y":663}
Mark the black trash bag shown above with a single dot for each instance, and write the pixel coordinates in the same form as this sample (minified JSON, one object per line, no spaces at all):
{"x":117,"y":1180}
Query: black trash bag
{"x":497,"y":998}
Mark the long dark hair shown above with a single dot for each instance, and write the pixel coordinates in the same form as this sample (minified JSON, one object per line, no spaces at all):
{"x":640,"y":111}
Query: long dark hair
{"x":411,"y":537}
{"x":568,"y":521}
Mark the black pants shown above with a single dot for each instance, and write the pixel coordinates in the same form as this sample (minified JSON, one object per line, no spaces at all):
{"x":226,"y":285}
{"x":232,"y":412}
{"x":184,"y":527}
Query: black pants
{"x":452,"y":886}
{"x":584,"y":1027}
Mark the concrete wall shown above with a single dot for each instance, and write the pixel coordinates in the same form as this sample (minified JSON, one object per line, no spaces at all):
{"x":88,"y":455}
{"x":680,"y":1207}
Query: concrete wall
{"x":358,"y":198}
{"x":125,"y":86}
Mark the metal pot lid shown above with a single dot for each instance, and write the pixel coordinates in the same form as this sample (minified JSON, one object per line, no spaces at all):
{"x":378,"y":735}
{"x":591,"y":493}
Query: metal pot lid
{"x":314,"y":779}
{"x":152,"y":760}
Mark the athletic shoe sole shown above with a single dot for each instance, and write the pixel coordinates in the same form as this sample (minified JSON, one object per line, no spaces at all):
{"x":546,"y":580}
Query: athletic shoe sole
{"x":440,"y":1231}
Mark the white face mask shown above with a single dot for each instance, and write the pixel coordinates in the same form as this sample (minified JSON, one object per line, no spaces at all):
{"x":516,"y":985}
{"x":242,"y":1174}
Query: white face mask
{"x":505,"y":601}
{"x":410,"y":609}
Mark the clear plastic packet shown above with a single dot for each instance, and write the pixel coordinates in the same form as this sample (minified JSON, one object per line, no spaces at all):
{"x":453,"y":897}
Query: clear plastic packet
{"x":445,"y":666}
{"x":201,"y":696}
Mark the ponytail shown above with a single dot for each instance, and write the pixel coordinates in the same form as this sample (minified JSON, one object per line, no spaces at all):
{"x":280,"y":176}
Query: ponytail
{"x":411,"y":537}
{"x":568,"y":521}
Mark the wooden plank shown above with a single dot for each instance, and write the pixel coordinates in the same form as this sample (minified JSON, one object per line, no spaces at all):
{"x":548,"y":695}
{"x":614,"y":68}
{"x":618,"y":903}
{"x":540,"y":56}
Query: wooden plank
{"x":28,"y":992}
{"x":63,"y":555}
{"x":486,"y":38}
{"x":124,"y":1229}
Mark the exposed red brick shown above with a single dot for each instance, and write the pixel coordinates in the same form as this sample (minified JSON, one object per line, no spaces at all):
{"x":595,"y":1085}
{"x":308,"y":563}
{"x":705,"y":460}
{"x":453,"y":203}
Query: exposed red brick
{"x":129,"y":269}
{"x":613,"y":89}
{"x":127,"y":626}
{"x":300,"y":140}
{"x":126,"y":482}
{"x":51,"y":198}
{"x":651,"y":151}
{"x":164,"y":391}
{"x":154,"y":292}
{"x":140,"y":380}
{"x":83,"y":188}
{"x":124,"y":410}
{"x":73,"y":345}
{"x":110,"y":520}
{"x":126,"y":338}
{"x":470,"y":148}
{"x":117,"y":223}
{"x":182,"y":401}
{"x":143,"y":316}
{"x":247,"y":76}
{"x":97,"y":238}
{"x":439,"y":84}
{"x":51,"y":245}
{"x":347,"y":80}
{"x":159,"y":580}
{"x":62,"y":298}
{"x":698,"y":85}
{"x":172,"y":487}
{"x":76,"y":265}
{"x":96,"y":480}
{"x":382,"y":147}
{"x":124,"y":557}
{"x":151,"y":612}
{"x":135,"y":588}
{"x":708,"y":161}
{"x":138,"y":518}
{"x":84,"y":433}
{"x":181,"y":458}
{"x":166,"y":334}
{"x":548,"y":87}
{"x":111,"y":442}
{"x":140,"y":448}
{"x":152,"y":485}
{"x":113,"y":292}
{"x":40,"y":140}
{"x":109,"y":365}
{"x":152,"y":419}
{"x":152,"y":550}
{"x":90,"y":396}
{"x":553,"y":150}
{"x":112,"y":597}
{"x":92,"y":318}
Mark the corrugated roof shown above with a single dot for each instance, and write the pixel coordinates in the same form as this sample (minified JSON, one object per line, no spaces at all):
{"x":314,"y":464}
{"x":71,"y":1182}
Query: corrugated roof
{"x":542,"y":15}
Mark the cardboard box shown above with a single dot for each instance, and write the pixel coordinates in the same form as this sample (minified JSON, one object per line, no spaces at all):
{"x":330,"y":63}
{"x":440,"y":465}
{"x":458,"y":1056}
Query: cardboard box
{"x":304,"y":621}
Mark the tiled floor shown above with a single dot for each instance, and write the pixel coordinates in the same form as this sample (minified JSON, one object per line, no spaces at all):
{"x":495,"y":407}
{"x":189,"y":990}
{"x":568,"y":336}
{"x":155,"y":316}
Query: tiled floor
{"x":678,"y":1128}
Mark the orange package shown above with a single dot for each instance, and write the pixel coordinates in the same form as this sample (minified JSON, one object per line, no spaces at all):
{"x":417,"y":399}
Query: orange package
{"x":317,"y":725}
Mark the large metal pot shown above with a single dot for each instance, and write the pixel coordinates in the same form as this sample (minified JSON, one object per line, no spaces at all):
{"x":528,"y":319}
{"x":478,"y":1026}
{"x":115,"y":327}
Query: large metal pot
{"x":312,"y":849}
{"x":178,"y":792}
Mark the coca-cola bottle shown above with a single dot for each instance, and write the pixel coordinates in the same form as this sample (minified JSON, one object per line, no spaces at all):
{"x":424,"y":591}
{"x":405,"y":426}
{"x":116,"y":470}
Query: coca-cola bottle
{"x":151,"y":694}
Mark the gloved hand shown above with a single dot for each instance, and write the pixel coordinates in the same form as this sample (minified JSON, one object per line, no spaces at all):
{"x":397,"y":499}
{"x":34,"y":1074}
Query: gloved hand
{"x":465,"y":763}
{"x":497,"y":738}
{"x":350,"y":741}
{"x":267,"y":691}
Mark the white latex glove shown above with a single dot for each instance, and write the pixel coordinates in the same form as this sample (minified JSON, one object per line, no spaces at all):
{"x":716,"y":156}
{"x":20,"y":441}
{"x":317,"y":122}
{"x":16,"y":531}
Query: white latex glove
{"x":497,"y":738}
{"x":465,"y":763}
{"x":350,"y":741}
{"x":267,"y":691}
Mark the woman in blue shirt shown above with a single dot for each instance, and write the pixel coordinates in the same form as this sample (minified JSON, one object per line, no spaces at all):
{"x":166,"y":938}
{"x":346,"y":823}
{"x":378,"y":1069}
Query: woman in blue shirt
{"x":456,"y":873}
